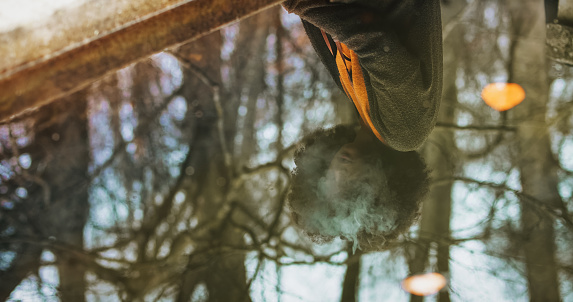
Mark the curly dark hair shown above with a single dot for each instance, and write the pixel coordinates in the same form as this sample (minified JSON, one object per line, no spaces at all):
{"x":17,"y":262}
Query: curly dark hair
{"x":399,"y":181}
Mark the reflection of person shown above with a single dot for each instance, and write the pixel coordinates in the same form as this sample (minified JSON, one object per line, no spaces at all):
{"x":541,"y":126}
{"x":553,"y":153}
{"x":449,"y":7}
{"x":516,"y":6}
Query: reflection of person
{"x":366,"y":184}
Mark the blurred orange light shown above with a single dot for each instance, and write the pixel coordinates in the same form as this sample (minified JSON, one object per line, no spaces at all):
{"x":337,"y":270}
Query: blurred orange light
{"x":502,"y":96}
{"x":424,"y":285}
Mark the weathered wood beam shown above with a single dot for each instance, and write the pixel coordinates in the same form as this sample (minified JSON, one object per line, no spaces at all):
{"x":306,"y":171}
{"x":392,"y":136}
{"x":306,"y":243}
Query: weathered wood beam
{"x":41,"y":82}
{"x":42,"y":34}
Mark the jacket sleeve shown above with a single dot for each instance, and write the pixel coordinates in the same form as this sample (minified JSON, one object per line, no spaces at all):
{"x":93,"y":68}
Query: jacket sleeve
{"x":399,"y":46}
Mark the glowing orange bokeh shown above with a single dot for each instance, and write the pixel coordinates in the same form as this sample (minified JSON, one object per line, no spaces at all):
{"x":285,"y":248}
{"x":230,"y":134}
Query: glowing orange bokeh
{"x":503,"y":96}
{"x":424,"y":285}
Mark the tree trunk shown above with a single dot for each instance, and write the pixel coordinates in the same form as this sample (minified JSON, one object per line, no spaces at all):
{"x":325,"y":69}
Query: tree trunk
{"x":27,"y":260}
{"x":56,"y":203}
{"x":439,"y":153}
{"x":248,"y":79}
{"x":62,"y":131}
{"x":223,"y":274}
{"x":535,"y":160}
{"x":351,"y":283}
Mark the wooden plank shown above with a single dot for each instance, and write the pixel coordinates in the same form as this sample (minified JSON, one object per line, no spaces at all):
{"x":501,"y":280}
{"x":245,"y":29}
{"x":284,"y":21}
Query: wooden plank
{"x":43,"y":81}
{"x":38,"y":29}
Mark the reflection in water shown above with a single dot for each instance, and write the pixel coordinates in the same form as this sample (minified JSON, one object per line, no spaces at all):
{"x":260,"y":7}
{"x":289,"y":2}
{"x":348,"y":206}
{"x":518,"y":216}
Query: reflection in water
{"x":502,"y":96}
{"x":424,"y":285}
{"x":347,"y":183}
{"x":390,"y":66}
{"x":169,"y":180}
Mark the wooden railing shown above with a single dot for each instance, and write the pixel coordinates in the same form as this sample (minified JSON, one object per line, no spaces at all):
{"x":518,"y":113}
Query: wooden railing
{"x":27,"y":85}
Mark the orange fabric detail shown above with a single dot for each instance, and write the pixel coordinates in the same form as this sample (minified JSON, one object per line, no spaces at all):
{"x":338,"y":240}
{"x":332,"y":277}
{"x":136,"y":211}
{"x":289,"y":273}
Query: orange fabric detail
{"x":355,"y":88}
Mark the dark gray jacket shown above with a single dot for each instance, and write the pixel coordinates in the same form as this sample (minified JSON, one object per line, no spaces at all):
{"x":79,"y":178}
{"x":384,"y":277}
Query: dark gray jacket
{"x":399,"y":45}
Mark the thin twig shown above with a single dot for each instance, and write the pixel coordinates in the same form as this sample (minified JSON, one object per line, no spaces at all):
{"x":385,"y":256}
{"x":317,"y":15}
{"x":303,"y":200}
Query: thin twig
{"x":477,"y":127}
{"x":142,"y":128}
{"x":456,"y":20}
{"x":255,"y":275}
{"x":274,"y":224}
{"x":46,"y":191}
{"x":218,"y":107}
{"x":531,"y":200}
{"x":221,"y":130}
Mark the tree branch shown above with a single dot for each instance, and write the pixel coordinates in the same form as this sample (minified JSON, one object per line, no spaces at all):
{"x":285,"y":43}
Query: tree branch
{"x":477,"y":127}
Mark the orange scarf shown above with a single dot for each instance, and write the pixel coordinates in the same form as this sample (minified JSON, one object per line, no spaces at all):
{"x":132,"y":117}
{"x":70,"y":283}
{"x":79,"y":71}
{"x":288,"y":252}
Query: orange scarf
{"x":352,"y":81}
{"x":354,"y":87}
